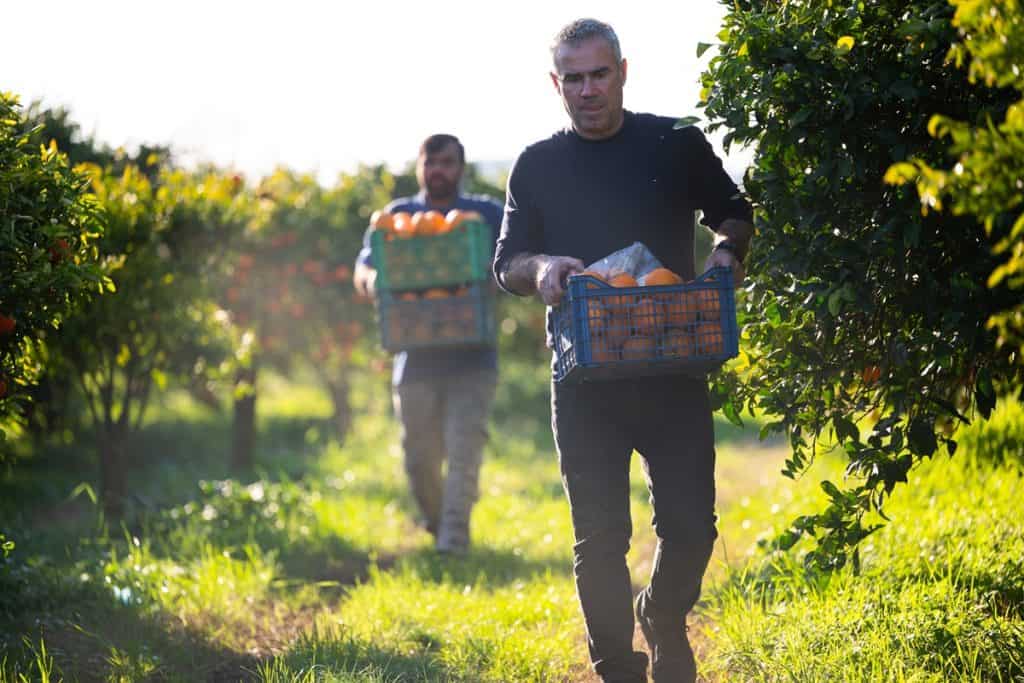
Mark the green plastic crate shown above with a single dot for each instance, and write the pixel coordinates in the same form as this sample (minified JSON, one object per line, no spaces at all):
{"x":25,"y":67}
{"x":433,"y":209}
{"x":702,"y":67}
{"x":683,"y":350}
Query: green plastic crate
{"x":462,"y":255}
{"x":465,"y":318}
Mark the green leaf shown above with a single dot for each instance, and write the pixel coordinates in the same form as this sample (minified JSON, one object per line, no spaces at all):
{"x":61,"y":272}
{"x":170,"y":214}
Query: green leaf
{"x":685,"y":121}
{"x":939,"y":125}
{"x":831,"y":491}
{"x":921,"y":437}
{"x":702,"y":48}
{"x":731,"y":412}
{"x":801,"y":116}
{"x":900,"y":173}
{"x":985,"y":393}
{"x":835,"y":301}
{"x":845,"y":428}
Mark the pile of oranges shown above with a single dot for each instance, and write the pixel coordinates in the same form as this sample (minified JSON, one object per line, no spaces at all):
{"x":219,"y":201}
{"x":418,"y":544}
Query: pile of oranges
{"x":648,"y":326}
{"x":433,"y":296}
{"x":452,"y":316}
{"x":403,"y":224}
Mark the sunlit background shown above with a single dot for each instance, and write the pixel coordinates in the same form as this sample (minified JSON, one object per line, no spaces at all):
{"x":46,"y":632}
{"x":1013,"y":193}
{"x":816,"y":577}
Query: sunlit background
{"x":322,"y":87}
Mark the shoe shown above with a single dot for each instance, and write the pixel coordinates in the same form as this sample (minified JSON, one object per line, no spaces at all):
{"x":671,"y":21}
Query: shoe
{"x":453,"y":539}
{"x":451,"y":550}
{"x":671,"y":655}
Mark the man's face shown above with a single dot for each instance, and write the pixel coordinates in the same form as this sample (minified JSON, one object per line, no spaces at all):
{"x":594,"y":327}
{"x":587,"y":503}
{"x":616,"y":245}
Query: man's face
{"x":439,"y":173}
{"x":590,"y":82}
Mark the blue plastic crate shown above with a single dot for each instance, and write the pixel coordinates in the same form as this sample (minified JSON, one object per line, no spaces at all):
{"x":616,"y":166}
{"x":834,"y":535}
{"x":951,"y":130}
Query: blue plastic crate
{"x":605,"y":332}
{"x":411,"y":320}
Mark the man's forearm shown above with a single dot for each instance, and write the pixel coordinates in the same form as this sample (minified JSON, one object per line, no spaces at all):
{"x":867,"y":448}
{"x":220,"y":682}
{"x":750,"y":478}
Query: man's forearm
{"x":364,"y":279}
{"x":736,"y":232}
{"x":521,"y":274}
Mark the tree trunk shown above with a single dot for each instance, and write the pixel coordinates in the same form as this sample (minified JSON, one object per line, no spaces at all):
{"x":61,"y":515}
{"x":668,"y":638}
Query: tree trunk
{"x":342,"y":417}
{"x":244,"y":424}
{"x":113,"y":481}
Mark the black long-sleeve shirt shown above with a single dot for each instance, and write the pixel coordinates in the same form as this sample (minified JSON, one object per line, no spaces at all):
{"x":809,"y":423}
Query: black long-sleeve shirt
{"x":569,"y":196}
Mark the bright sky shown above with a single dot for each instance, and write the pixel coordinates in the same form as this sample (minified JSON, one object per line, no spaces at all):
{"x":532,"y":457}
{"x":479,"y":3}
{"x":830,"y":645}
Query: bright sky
{"x":323,"y":86}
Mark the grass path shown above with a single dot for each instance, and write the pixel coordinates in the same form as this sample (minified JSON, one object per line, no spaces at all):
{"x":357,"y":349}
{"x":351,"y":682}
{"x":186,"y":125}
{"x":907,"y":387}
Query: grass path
{"x":316,"y":567}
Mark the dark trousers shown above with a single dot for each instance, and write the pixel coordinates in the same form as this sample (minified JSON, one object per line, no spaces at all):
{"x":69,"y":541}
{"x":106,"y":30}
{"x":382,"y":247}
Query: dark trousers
{"x":597,"y":426}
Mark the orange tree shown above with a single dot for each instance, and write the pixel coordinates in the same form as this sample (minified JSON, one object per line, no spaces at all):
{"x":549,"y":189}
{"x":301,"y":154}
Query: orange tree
{"x":162,"y":243}
{"x":52,"y":407}
{"x":291,"y":286}
{"x":858,"y":306}
{"x":986,"y":178}
{"x":48,"y":257}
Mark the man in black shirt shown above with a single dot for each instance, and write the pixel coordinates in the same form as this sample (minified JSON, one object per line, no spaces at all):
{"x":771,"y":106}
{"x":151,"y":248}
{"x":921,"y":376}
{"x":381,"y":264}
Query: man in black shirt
{"x":613,"y":178}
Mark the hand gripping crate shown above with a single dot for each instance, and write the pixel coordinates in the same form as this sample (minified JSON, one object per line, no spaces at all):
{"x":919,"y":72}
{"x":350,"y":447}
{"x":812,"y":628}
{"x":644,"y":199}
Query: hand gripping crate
{"x":605,"y":332}
{"x":462,"y":255}
{"x":416,"y":320}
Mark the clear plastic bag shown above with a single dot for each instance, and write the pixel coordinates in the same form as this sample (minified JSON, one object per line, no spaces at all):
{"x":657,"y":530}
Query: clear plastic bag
{"x":635,"y":260}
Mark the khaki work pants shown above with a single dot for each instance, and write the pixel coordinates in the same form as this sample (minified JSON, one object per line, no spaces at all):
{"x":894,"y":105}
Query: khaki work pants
{"x":445,"y":418}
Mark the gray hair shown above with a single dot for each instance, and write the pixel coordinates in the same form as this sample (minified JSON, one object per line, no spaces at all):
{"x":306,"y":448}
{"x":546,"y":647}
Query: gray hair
{"x":577,"y":31}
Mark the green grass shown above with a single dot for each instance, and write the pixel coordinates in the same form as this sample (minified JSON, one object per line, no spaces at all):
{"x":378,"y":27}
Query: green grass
{"x":940,"y":596}
{"x":312,"y":568}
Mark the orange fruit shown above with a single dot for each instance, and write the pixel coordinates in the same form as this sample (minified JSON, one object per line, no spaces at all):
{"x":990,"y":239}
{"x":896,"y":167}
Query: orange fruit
{"x":428,"y":222}
{"x":596,"y":276}
{"x":603,"y":354}
{"x":416,"y":219}
{"x":639,"y":348}
{"x":709,"y":340}
{"x":396,"y":330}
{"x":457,"y":217}
{"x":681,"y":308}
{"x":646,"y":316}
{"x":618,"y":306}
{"x":403,"y":224}
{"x":677,"y":344}
{"x":623,"y":280}
{"x":422,"y":332}
{"x":436,"y":293}
{"x":708,"y":304}
{"x":408,"y":296}
{"x":382,"y":220}
{"x":870,"y":374}
{"x":7,"y":324}
{"x":660,"y":276}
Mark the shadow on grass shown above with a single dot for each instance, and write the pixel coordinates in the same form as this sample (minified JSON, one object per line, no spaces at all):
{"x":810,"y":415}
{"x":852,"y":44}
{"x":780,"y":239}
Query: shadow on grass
{"x":166,"y":459}
{"x":92,"y":637}
{"x":342,"y":659}
{"x":497,"y":567}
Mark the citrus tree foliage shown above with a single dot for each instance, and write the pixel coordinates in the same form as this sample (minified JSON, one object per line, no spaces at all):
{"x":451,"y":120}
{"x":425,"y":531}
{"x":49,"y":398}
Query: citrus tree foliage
{"x":48,"y":255}
{"x":864,"y":320}
{"x":291,"y":278}
{"x":162,"y":244}
{"x":987,"y":178}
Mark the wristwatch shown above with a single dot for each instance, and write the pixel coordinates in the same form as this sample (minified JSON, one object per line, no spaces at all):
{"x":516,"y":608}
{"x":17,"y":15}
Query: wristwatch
{"x":731,"y":248}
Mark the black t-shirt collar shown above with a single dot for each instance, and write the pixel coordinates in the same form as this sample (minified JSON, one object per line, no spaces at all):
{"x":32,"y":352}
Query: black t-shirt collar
{"x":627,"y":121}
